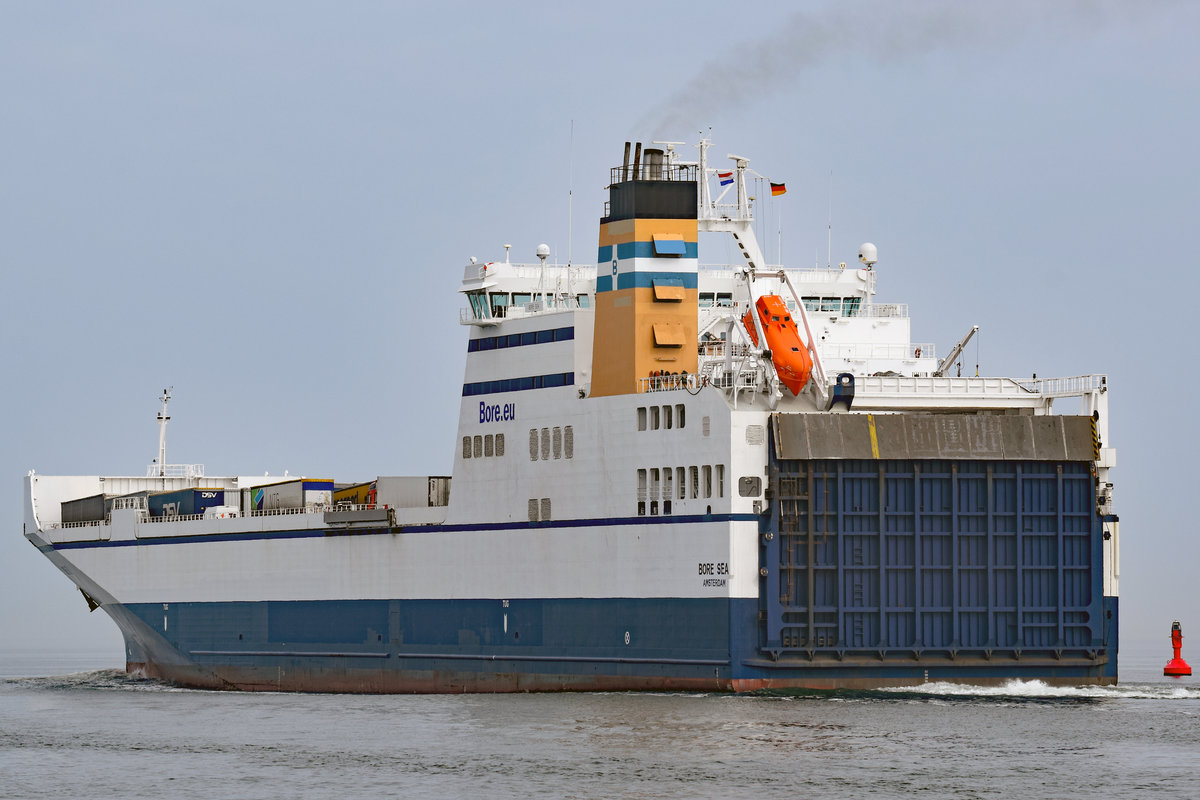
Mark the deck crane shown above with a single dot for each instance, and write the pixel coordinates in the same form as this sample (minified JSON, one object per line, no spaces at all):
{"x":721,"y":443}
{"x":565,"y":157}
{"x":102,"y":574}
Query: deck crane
{"x":955,"y":352}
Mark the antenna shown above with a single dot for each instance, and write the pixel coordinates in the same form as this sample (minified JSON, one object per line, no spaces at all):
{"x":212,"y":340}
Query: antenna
{"x":829,"y":240}
{"x":163,"y":419}
{"x":570,"y":192}
{"x":779,"y":233}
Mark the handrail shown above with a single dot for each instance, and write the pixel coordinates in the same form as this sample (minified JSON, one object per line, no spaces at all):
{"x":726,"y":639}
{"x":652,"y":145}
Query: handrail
{"x":880,"y":350}
{"x":666,"y":383}
{"x":314,"y":508}
{"x":1073,"y":386}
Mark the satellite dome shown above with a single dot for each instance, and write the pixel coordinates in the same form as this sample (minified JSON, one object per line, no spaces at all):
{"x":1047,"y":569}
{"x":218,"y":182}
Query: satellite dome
{"x":867,"y":254}
{"x":543,"y":250}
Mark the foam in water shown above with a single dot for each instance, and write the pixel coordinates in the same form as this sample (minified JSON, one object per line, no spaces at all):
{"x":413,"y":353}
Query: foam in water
{"x":1036,"y":689}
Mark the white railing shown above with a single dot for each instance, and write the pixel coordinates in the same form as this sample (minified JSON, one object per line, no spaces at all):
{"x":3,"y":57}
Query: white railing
{"x":137,"y":503}
{"x":906,"y":351}
{"x":882,"y":310}
{"x":1075,"y":386}
{"x":797,"y":274}
{"x":716,"y":349}
{"x":466,"y":315}
{"x":928,"y":386}
{"x":667,"y":383}
{"x":175,"y":518}
{"x":175,"y":471}
{"x":314,"y":508}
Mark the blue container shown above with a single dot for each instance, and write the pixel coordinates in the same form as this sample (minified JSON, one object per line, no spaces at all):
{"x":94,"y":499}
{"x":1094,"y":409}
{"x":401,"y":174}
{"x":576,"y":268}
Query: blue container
{"x":184,"y":502}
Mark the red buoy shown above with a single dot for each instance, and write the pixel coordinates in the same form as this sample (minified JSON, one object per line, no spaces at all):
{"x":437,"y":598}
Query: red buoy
{"x":1176,"y":667}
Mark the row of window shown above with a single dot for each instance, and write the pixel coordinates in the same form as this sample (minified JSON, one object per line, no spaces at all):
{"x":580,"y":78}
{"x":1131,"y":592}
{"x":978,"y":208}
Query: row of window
{"x":652,"y":418}
{"x":519,"y":384}
{"x":520,"y":339}
{"x":500,"y":301}
{"x":681,"y":483}
{"x":677,"y":483}
{"x":551,"y":443}
{"x":844,"y":306}
{"x":483,"y":446}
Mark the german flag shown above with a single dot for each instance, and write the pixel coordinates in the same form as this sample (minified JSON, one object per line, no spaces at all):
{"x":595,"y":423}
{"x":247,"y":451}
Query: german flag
{"x":778,"y":189}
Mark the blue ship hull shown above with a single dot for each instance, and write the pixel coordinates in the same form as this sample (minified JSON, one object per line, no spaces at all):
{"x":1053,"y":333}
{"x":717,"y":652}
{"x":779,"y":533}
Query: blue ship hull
{"x":543,"y":645}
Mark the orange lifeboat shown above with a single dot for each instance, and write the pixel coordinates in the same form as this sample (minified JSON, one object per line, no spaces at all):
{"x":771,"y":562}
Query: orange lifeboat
{"x":788,"y":351}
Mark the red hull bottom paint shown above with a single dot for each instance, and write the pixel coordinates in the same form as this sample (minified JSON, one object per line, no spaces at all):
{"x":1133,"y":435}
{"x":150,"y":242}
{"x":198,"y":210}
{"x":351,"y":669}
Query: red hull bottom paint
{"x":458,"y":682}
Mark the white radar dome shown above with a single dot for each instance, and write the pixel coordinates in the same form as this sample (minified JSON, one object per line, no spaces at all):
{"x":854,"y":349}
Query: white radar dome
{"x":543,"y":250}
{"x":867,"y":254}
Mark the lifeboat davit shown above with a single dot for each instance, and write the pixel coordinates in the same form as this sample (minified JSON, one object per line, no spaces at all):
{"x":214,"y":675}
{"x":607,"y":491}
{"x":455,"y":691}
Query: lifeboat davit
{"x":789,"y":354}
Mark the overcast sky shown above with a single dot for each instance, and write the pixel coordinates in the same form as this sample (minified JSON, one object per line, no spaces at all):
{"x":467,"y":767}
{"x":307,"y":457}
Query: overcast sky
{"x":268,"y":206}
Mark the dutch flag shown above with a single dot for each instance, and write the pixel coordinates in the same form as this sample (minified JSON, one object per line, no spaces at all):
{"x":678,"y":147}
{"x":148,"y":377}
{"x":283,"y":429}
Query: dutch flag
{"x":725,"y":178}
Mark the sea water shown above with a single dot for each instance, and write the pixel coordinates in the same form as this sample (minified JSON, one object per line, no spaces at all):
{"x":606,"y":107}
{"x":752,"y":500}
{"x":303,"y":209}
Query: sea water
{"x":69,"y":729}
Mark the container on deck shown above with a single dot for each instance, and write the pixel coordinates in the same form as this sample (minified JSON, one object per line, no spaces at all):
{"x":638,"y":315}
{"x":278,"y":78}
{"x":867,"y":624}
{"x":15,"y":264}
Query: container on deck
{"x":85,"y":509}
{"x":293,"y":494}
{"x":419,"y":491}
{"x":185,"y":502}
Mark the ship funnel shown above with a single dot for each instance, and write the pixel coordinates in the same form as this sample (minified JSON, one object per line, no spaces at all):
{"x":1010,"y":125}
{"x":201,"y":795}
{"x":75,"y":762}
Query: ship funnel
{"x":646,"y":287}
{"x":654,"y":165}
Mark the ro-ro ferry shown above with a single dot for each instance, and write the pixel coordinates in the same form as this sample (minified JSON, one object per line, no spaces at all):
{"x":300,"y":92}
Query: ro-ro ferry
{"x":666,"y":476}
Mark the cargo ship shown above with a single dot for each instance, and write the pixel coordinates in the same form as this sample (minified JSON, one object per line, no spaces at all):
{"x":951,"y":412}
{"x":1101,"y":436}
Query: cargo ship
{"x":666,"y":475}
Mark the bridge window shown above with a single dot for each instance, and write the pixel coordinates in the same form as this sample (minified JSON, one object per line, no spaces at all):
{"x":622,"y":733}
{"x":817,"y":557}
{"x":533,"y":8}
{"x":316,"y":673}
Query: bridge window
{"x":478,"y":304}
